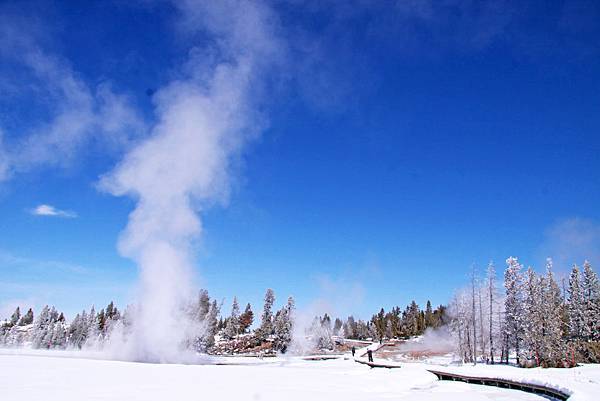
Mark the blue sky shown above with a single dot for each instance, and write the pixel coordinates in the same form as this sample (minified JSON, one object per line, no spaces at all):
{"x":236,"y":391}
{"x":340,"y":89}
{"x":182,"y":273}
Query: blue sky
{"x":402,"y":142}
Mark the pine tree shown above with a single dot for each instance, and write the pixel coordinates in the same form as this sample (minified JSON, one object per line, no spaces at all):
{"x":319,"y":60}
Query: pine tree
{"x":14,"y":319}
{"x":13,"y":337}
{"x":59,"y":336}
{"x":266,"y":325}
{"x":110,"y":320}
{"x":410,"y":319}
{"x":362,"y":330}
{"x":428,"y":314}
{"x":40,"y":327}
{"x":440,"y":316}
{"x":203,"y":305}
{"x":350,"y":329}
{"x":72,"y":331}
{"x":53,"y":314}
{"x":591,"y":303}
{"x":379,"y":323}
{"x":246,"y":319}
{"x":283,"y":326}
{"x":101,"y":321}
{"x":575,"y":305}
{"x":212,"y":320}
{"x":321,"y":332}
{"x":326,"y":321}
{"x":394,"y":319}
{"x":533,"y":332}
{"x":233,"y":323}
{"x":81,"y":329}
{"x":513,"y":321}
{"x":111,"y":311}
{"x":93,"y":328}
{"x":389,"y":330}
{"x":47,"y":340}
{"x":27,"y":318}
{"x":337,"y":327}
{"x":552,"y":305}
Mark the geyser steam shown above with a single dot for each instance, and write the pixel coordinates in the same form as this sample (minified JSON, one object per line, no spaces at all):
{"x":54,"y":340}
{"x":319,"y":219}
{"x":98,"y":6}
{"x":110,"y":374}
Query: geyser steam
{"x":204,"y":119}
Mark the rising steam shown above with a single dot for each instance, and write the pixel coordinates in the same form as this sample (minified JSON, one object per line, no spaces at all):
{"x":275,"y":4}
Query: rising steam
{"x":204,"y":119}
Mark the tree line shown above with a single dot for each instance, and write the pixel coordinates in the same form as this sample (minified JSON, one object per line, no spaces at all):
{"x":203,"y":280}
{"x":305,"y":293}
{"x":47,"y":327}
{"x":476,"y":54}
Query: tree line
{"x":533,"y":319}
{"x":50,"y":329}
{"x":275,"y":327}
{"x":397,"y":323}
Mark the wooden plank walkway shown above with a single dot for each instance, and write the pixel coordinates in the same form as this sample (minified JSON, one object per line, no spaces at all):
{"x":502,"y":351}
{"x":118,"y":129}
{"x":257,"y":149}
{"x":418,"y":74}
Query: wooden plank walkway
{"x":321,"y":357}
{"x":377,"y":364}
{"x":503,"y":383}
{"x":374,"y":347}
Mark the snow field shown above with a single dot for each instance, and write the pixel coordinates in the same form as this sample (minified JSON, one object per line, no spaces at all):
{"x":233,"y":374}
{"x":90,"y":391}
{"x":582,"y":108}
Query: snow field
{"x":48,"y":377}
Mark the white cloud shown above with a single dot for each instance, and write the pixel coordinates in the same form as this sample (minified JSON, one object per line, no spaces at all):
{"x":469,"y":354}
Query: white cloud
{"x":339,"y":296}
{"x":49,"y":210}
{"x":76,"y":113}
{"x":570,"y":241}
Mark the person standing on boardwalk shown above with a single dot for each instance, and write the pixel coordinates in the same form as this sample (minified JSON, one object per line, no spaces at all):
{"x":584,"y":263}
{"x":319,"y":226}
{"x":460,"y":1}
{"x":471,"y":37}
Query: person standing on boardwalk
{"x":353,"y":351}
{"x":370,"y":355}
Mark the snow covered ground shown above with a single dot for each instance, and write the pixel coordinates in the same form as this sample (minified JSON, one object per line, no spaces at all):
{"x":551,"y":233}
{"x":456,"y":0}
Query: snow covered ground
{"x":583,"y":382}
{"x":50,"y":375}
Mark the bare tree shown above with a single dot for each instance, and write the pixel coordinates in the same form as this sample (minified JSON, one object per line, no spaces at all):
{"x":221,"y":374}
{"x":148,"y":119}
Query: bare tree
{"x":481,"y":320}
{"x":491,"y":277}
{"x":474,"y":320}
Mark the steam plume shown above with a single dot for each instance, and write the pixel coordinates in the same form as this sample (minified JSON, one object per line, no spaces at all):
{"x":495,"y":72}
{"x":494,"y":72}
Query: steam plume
{"x":204,"y":119}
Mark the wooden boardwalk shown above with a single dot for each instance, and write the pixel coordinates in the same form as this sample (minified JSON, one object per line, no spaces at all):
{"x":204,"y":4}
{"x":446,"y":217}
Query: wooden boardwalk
{"x":377,"y":364}
{"x":503,"y":383}
{"x":322,"y":357}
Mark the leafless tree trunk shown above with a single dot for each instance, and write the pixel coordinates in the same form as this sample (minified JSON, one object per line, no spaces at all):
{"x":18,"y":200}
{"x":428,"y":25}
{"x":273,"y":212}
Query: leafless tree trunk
{"x":481,"y":336}
{"x":469,"y":348}
{"x":491,"y":294}
{"x":474,"y":316}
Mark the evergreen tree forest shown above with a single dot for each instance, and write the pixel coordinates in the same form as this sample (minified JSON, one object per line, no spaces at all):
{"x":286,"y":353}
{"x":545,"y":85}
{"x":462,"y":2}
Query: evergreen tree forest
{"x":92,"y":328}
{"x":534,"y":320}
{"x":395,"y":324}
